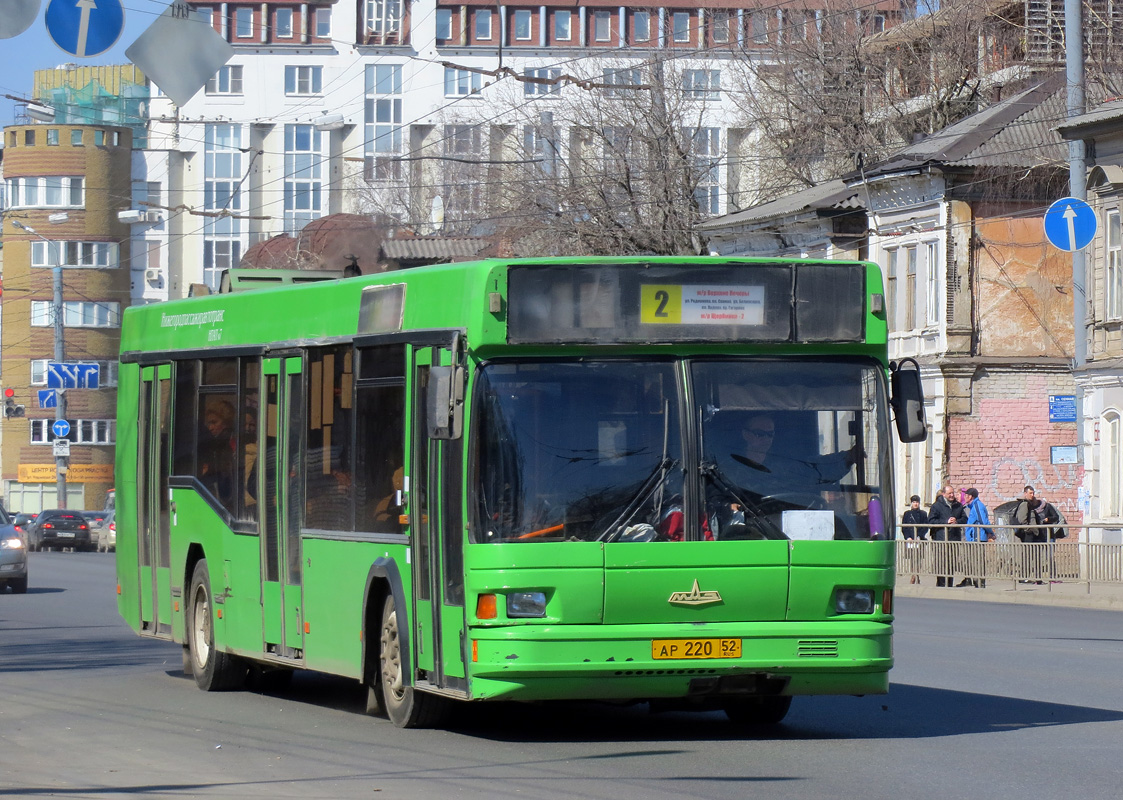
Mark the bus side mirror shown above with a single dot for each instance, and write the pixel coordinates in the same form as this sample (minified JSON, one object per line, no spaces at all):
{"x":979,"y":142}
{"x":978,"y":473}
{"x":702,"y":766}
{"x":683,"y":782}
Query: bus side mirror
{"x":445,"y":402}
{"x":908,"y":401}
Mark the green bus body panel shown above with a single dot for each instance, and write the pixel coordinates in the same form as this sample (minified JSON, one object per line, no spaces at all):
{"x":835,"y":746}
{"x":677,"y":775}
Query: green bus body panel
{"x":605,"y":602}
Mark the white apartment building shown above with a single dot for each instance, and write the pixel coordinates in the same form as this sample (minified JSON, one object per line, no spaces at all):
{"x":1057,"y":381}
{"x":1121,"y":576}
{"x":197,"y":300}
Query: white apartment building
{"x":414,"y":110}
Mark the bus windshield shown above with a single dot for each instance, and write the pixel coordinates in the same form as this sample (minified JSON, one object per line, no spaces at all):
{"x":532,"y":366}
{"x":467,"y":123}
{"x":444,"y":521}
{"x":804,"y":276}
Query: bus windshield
{"x":594,"y":450}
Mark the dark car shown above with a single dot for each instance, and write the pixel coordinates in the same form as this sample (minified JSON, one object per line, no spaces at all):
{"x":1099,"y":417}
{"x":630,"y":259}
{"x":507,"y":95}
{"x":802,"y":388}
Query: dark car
{"x":13,"y":556}
{"x":96,"y":518}
{"x":60,"y":528}
{"x":24,"y":523}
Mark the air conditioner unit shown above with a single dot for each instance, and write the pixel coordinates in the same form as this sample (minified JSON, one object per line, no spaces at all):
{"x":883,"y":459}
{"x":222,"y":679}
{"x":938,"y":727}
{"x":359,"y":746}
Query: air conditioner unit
{"x":152,"y":275}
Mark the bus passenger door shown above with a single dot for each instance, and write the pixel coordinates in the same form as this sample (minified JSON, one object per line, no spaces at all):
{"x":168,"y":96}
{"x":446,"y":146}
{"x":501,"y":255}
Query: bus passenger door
{"x":437,"y":533}
{"x":153,"y":529}
{"x":281,"y":568}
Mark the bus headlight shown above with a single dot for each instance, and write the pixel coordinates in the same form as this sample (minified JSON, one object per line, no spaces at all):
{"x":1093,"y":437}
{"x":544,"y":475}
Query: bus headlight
{"x":853,"y":601}
{"x":526,"y":604}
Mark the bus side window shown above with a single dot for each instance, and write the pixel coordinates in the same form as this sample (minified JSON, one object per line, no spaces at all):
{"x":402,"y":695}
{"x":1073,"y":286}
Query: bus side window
{"x":328,"y":467}
{"x":379,"y":438}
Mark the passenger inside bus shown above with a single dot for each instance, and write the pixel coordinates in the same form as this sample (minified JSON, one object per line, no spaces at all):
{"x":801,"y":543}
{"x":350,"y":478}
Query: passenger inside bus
{"x":216,"y":450}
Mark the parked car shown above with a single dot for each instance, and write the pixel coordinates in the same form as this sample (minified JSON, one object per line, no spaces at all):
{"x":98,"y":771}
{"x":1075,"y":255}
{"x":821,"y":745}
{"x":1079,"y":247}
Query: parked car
{"x":13,"y":556}
{"x":107,"y":534}
{"x":24,"y":523}
{"x":59,"y":528}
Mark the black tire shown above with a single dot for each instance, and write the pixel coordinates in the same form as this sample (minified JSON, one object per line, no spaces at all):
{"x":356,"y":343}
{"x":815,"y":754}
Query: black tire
{"x":405,"y":706}
{"x":213,"y":671}
{"x":759,"y":710}
{"x":19,"y":585}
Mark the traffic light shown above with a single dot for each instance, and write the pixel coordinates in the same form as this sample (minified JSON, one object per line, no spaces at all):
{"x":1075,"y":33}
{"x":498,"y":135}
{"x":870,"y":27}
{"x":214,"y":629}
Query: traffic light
{"x":11,"y":407}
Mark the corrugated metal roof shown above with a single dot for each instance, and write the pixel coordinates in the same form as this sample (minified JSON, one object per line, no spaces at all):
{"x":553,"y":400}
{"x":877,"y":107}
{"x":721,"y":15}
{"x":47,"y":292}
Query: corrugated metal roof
{"x":830,"y":195}
{"x":433,"y":248}
{"x":1107,"y":113}
{"x":1018,"y":131}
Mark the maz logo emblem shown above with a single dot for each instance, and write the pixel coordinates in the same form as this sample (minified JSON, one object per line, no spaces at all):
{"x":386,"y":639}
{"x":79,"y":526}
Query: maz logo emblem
{"x":694,"y":597}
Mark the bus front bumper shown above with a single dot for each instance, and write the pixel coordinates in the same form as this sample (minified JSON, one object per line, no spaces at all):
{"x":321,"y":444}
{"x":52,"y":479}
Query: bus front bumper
{"x":554,"y":662}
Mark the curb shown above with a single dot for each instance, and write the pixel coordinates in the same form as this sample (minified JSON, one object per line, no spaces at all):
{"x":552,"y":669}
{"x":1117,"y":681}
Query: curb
{"x":1107,"y":598}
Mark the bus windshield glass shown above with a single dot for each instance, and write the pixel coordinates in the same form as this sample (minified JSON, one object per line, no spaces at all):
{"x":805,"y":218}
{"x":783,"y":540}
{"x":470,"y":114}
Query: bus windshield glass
{"x":594,"y":451}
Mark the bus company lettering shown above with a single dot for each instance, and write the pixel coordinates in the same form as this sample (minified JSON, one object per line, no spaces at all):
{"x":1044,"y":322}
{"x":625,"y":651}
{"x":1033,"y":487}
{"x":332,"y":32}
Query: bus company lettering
{"x":181,"y":320}
{"x":723,"y":305}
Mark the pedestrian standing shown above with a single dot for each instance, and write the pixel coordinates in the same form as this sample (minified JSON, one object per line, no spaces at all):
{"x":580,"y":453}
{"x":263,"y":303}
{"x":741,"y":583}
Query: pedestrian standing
{"x":978,"y":530}
{"x":914,"y":527}
{"x":945,"y":511}
{"x":1027,"y":515}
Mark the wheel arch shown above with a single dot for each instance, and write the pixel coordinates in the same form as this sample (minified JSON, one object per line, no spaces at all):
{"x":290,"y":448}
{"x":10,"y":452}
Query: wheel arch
{"x":384,"y":580}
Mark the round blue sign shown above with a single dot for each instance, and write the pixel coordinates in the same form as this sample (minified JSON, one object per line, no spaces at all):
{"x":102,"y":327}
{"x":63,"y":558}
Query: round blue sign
{"x":1070,"y":224}
{"x":85,"y":28}
{"x":61,"y":428}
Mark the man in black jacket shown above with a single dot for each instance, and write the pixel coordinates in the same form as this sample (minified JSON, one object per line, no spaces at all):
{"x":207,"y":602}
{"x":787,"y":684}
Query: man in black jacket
{"x":946,"y":511}
{"x":914,"y":526}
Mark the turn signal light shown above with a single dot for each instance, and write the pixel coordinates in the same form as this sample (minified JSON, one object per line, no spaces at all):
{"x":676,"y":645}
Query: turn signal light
{"x":486,"y":607}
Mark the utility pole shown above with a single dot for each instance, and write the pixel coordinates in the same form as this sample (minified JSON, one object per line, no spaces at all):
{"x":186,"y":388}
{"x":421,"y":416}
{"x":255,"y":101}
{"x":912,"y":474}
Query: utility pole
{"x":61,"y":462}
{"x":1077,"y":167}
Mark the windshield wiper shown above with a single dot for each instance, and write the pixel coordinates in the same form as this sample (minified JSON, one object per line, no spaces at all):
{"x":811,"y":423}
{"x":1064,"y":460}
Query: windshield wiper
{"x":770,"y":530}
{"x":646,"y":489}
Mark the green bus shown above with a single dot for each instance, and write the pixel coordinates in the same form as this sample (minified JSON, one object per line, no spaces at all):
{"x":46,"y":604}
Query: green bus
{"x":662,"y":480}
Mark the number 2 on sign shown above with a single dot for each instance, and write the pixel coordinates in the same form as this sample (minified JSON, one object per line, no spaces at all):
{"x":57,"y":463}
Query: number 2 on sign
{"x":660,"y":304}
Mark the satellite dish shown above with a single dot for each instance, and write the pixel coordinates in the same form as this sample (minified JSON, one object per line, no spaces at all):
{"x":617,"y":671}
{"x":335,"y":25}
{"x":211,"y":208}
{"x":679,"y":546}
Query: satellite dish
{"x":437,"y":214}
{"x":17,"y":17}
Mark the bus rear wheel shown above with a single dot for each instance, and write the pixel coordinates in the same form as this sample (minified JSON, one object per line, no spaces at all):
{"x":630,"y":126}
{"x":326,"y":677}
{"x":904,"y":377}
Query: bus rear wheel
{"x":213,"y":671}
{"x":758,"y":710}
{"x":405,"y":706}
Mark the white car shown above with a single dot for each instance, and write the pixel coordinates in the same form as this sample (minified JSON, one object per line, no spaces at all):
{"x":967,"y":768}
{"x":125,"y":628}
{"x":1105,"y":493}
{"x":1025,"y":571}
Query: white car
{"x":107,"y":534}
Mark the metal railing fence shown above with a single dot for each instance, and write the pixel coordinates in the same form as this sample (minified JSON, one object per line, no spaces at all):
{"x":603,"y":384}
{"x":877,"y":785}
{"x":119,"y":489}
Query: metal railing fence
{"x":1072,"y":559}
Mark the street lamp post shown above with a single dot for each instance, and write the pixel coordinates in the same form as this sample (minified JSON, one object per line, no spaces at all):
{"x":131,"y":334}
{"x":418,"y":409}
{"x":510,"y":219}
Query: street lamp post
{"x":56,"y":312}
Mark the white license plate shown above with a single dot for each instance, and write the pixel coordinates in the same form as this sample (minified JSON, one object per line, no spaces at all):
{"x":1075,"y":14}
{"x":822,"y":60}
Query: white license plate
{"x":65,"y":534}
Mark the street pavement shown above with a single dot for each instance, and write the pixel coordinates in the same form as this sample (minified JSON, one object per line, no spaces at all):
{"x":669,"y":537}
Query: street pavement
{"x":1069,"y":594}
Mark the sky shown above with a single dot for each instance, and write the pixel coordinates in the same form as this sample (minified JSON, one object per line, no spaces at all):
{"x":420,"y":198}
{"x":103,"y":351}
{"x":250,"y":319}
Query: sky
{"x":34,"y":49}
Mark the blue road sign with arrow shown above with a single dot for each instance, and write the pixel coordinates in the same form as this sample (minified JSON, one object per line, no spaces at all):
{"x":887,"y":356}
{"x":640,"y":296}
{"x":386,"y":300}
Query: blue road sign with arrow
{"x":1070,"y":224}
{"x":61,"y":428}
{"x":85,"y":28}
{"x":48,"y":398}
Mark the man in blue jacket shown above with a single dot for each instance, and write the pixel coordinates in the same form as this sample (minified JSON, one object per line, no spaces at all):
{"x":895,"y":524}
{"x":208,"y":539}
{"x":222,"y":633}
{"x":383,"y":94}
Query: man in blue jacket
{"x":977,"y":530}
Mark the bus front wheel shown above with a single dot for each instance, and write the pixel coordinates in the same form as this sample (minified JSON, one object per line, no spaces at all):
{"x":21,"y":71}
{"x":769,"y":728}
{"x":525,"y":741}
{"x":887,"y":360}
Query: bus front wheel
{"x":405,"y":706}
{"x":213,"y":671}
{"x":758,"y":710}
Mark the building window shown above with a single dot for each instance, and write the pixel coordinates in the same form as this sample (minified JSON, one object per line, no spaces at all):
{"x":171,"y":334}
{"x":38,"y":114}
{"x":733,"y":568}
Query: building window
{"x":891,"y":300}
{"x":540,"y":143}
{"x":76,"y":314}
{"x":545,"y":74}
{"x":706,"y":150}
{"x":95,"y":255}
{"x":444,"y":24}
{"x":702,"y":84}
{"x":465,"y":179}
{"x":52,"y":137}
{"x":76,"y":138}
{"x":303,"y":80}
{"x":243,"y":23}
{"x":626,"y":79}
{"x":222,"y":177}
{"x":284,"y":23}
{"x":681,"y":26}
{"x":99,"y":138}
{"x":1111,"y":474}
{"x":47,"y":192}
{"x":910,"y":288}
{"x":602,"y":26}
{"x":384,"y":18}
{"x":206,"y":16}
{"x":641,"y":24}
{"x":759,"y":22}
{"x":303,"y":176}
{"x":719,"y":27}
{"x":384,"y":122}
{"x":83,"y":431}
{"x":323,"y":23}
{"x":931,"y":284}
{"x":461,"y":82}
{"x":483,"y":23}
{"x":228,"y":80}
{"x":563,"y":26}
{"x":522,"y":25}
{"x":29,"y":138}
{"x":1113,"y":294}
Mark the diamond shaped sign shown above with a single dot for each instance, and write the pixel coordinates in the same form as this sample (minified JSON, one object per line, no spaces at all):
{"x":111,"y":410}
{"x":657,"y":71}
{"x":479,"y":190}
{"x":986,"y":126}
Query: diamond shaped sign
{"x":180,"y":52}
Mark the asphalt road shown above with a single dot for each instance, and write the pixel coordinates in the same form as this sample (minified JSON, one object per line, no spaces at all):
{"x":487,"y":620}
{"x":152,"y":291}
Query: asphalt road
{"x":988,"y":701}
